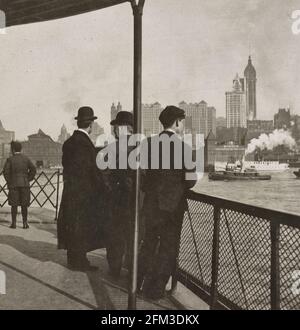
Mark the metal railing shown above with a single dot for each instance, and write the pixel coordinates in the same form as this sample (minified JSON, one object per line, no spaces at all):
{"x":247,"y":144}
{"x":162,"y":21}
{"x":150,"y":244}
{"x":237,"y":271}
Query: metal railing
{"x":238,"y":256}
{"x":44,"y":190}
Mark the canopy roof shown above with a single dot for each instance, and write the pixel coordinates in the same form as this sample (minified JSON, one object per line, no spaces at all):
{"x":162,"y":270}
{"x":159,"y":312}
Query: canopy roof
{"x":30,"y":11}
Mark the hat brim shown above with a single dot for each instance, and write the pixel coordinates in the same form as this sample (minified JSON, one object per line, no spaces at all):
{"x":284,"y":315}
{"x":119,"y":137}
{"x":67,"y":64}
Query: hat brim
{"x":115,"y":122}
{"x":86,"y":118}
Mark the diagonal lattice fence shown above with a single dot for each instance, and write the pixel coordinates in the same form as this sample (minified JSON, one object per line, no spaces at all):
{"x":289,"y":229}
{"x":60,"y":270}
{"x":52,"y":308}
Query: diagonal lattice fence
{"x":44,"y":190}
{"x":238,"y":256}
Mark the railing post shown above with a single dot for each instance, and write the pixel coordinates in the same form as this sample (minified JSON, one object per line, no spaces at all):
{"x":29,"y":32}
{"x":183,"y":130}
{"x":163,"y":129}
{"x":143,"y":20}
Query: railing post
{"x":137,"y":109}
{"x":57,"y":195}
{"x":215,"y":258}
{"x":275,"y":269}
{"x":174,"y":277}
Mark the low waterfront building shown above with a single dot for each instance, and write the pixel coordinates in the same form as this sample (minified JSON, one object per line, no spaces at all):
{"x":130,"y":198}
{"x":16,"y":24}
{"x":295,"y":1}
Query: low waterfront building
{"x":235,"y":135}
{"x":5,"y":139}
{"x":261,"y":126}
{"x":42,"y":150}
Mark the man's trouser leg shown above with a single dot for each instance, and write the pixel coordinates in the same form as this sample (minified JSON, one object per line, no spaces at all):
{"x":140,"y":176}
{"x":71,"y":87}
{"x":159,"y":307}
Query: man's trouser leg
{"x":24,"y":210}
{"x":76,"y":257}
{"x":147,"y":258}
{"x":167,"y":254}
{"x":115,"y":250}
{"x":14,"y":212}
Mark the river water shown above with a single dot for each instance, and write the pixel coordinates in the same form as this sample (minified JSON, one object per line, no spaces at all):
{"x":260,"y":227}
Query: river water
{"x":281,"y":193}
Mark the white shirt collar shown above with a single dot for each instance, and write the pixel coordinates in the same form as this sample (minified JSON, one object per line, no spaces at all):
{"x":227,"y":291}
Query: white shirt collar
{"x":82,"y":130}
{"x":170,"y":130}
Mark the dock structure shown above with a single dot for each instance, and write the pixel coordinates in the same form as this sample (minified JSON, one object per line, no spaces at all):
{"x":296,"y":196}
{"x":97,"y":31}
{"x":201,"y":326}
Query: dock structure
{"x":37,"y":276}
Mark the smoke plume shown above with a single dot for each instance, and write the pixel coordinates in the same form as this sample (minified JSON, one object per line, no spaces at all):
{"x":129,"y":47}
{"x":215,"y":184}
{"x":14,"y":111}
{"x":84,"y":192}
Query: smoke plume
{"x":270,"y":141}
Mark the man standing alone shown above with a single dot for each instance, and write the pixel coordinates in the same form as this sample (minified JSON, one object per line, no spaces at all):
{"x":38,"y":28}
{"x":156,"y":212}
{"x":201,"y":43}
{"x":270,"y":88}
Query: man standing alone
{"x":18,"y":171}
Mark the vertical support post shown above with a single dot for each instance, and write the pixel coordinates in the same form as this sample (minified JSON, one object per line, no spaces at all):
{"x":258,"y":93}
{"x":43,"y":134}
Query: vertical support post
{"x":275,"y":269}
{"x":215,"y":258}
{"x":137,"y":107}
{"x":174,"y":278}
{"x":57,"y":195}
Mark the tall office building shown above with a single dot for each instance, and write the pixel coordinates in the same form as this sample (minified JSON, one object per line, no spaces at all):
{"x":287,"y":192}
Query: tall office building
{"x":113,"y":112}
{"x":150,"y":122}
{"x":64,"y":135}
{"x":282,"y":119}
{"x":250,"y":90}
{"x":236,"y":105}
{"x":200,"y":118}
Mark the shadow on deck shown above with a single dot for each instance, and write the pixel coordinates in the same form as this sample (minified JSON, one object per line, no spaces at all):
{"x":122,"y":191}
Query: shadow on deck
{"x":37,"y":276}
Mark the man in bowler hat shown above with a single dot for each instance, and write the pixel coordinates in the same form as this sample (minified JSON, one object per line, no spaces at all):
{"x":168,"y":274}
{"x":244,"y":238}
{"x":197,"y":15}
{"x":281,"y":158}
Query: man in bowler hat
{"x":18,"y":172}
{"x":164,"y":205}
{"x":78,"y":220}
{"x":121,"y":198}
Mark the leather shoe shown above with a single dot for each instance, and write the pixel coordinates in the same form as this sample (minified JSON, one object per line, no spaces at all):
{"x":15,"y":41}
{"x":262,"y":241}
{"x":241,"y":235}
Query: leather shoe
{"x":154,"y":295}
{"x":13,"y":226}
{"x":25,"y":225}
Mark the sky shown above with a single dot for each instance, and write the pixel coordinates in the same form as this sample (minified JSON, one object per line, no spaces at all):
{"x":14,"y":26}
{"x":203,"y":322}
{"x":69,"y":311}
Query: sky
{"x":192,"y":50}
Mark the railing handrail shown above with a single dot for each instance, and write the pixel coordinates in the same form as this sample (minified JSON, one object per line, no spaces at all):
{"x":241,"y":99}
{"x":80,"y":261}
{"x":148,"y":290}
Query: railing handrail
{"x":281,"y":217}
{"x":223,"y":243}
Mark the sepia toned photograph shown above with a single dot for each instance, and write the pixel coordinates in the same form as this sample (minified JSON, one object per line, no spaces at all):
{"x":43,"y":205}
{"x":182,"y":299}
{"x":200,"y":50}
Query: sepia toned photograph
{"x":149,"y":157}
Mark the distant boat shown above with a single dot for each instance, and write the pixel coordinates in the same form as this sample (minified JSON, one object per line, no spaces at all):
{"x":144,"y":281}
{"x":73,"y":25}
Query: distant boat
{"x":266,"y":166}
{"x":238,"y":173}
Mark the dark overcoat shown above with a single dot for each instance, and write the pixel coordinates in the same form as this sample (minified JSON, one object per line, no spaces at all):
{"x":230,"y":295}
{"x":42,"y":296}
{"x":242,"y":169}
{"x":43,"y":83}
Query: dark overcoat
{"x":165,"y":189}
{"x":18,"y":171}
{"x":79,"y":223}
{"x":120,"y":198}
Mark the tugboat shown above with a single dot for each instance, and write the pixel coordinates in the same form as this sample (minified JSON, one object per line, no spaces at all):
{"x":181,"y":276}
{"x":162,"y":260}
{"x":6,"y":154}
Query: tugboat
{"x":238,"y":173}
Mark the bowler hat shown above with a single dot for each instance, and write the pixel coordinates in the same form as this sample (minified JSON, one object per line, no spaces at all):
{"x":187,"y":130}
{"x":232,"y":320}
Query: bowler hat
{"x":123,"y":118}
{"x":170,"y":114}
{"x":16,"y":146}
{"x":85,"y":113}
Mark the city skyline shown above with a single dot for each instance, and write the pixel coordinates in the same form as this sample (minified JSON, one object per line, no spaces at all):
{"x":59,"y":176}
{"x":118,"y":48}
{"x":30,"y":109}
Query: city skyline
{"x":44,"y":78}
